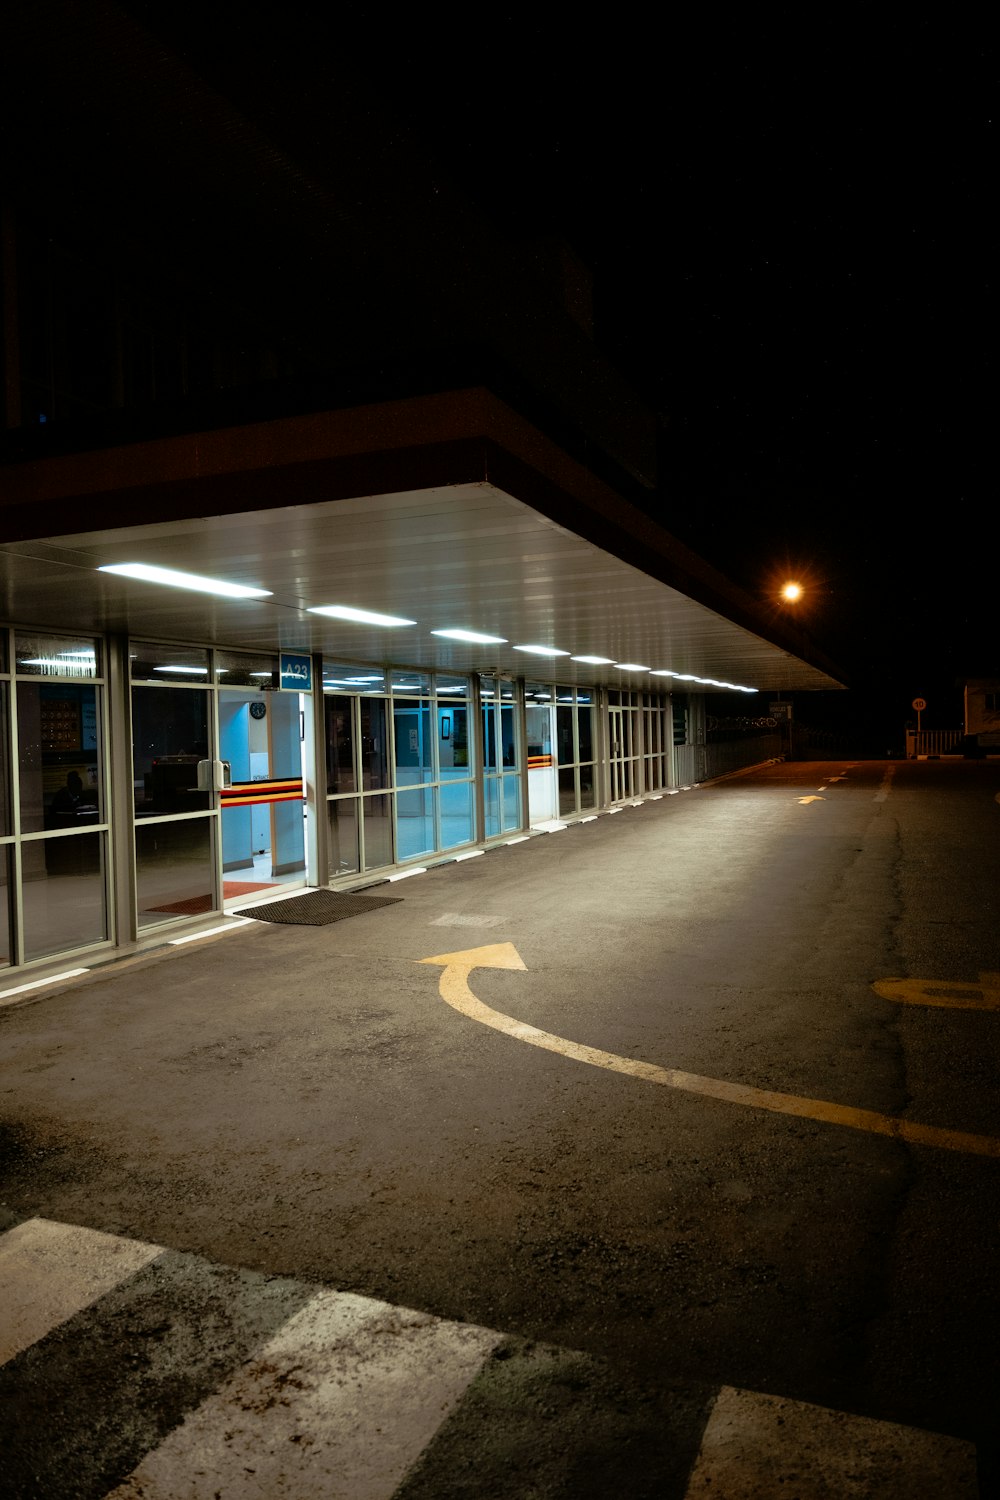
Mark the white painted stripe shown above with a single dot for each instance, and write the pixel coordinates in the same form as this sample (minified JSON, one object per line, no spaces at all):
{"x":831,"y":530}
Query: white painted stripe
{"x":613,"y":810}
{"x":233,"y":925}
{"x":756,"y":1446}
{"x":522,"y":838}
{"x":405,"y":874}
{"x":49,"y":1272}
{"x":337,"y":1406}
{"x":37,"y":984}
{"x":590,"y":818}
{"x":472,"y":854}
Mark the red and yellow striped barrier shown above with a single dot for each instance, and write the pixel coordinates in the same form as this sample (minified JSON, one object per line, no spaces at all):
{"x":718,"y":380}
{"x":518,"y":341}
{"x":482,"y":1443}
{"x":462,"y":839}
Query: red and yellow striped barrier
{"x":251,"y":793}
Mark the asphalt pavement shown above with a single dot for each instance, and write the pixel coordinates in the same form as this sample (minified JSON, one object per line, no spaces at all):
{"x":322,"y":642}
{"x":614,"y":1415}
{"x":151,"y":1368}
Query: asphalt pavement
{"x":678,"y":1126}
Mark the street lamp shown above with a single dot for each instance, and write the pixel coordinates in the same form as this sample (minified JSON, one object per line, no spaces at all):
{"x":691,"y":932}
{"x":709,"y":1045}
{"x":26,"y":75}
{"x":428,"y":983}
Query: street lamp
{"x":791,"y":592}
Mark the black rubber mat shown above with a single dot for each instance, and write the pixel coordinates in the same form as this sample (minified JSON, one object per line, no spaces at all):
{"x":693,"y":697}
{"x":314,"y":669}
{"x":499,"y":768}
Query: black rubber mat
{"x":317,"y":908}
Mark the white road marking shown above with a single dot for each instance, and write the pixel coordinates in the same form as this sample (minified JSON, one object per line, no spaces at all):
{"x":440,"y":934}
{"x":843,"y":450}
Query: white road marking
{"x":36,"y":984}
{"x":757,"y":1446}
{"x":49,"y":1272}
{"x":337,"y":1406}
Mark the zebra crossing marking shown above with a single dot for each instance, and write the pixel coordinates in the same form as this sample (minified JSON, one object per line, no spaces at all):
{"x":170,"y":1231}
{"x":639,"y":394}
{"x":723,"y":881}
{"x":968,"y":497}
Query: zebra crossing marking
{"x":338,"y":1406}
{"x":756,"y":1446}
{"x":50,"y":1271}
{"x":302,"y":1392}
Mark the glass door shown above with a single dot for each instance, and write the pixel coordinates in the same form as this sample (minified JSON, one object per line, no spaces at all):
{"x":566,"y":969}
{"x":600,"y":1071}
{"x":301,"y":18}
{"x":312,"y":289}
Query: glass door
{"x":175,"y":817}
{"x":263,"y":807}
{"x":620,"y":753}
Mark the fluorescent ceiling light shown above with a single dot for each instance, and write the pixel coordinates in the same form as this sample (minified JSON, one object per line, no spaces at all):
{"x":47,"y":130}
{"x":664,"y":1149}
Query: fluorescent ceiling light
{"x":630,"y":666}
{"x":359,"y":616}
{"x":191,"y":581}
{"x":662,"y":672}
{"x":595,"y":661}
{"x":472,"y":636}
{"x":542,"y":650}
{"x":193,"y":671}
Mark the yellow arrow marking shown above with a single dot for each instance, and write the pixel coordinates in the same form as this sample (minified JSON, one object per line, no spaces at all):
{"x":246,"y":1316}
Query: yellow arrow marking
{"x":454,"y":988}
{"x":812,"y":799}
{"x":982,"y":996}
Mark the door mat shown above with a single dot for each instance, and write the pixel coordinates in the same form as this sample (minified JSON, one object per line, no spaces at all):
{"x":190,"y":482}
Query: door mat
{"x":192,"y":907}
{"x":317,"y":908}
{"x":233,"y":888}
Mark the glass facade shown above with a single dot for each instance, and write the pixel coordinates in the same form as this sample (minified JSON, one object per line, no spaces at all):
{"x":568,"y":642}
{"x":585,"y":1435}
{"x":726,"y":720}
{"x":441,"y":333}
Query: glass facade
{"x":53,"y":797}
{"x":400,"y":766}
{"x":502,"y":775}
{"x":410,"y":764}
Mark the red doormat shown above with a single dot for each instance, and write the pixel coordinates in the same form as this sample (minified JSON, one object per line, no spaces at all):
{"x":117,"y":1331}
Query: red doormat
{"x":195,"y":905}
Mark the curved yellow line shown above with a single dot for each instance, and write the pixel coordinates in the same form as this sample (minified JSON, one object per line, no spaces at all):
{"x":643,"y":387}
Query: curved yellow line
{"x":938,"y":992}
{"x":454,"y":988}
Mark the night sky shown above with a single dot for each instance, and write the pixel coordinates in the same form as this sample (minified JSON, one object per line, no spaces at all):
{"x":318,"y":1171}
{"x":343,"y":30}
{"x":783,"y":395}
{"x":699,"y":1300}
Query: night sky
{"x":788,"y":215}
{"x":790,"y":226}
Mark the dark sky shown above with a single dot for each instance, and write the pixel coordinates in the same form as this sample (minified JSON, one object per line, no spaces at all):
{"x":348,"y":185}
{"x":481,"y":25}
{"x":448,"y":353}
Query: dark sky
{"x":790,"y":225}
{"x":788,"y":213}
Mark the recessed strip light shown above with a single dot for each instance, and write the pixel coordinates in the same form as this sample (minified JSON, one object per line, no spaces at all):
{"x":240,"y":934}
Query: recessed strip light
{"x":595,"y":661}
{"x":147,"y":574}
{"x":473,"y":637}
{"x":191,"y":671}
{"x":630,"y":666}
{"x":358,"y":616}
{"x":542,"y":650}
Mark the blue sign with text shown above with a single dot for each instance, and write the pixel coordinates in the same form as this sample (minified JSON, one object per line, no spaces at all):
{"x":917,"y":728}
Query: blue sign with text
{"x":296,"y":673}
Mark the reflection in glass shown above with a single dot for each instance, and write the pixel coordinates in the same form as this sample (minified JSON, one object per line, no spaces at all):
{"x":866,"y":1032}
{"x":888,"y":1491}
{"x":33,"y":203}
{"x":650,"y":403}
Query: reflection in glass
{"x":151,"y":662}
{"x":340,"y":679}
{"x":374,"y":744}
{"x":414,"y":822}
{"x":491,"y":806}
{"x":567,"y":791}
{"x":457,"y":812}
{"x":5,"y":823}
{"x":585,"y":729}
{"x":490,"y":716}
{"x":418,"y":683}
{"x":508,"y":742}
{"x":414,"y":751}
{"x":343,"y":815}
{"x":56,"y":656}
{"x":451,"y":686}
{"x":564,"y":736}
{"x":63,"y":894}
{"x":341,"y":775}
{"x":5,"y":853}
{"x":169,"y":738}
{"x":453,"y":741}
{"x":175,"y":870}
{"x":511,"y":803}
{"x":377,"y":812}
{"x":60,"y":781}
{"x":234,"y":669}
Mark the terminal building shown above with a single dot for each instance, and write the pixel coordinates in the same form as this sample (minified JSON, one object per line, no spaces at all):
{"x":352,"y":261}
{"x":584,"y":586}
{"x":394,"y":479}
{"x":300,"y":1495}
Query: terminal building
{"x":327,"y":537}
